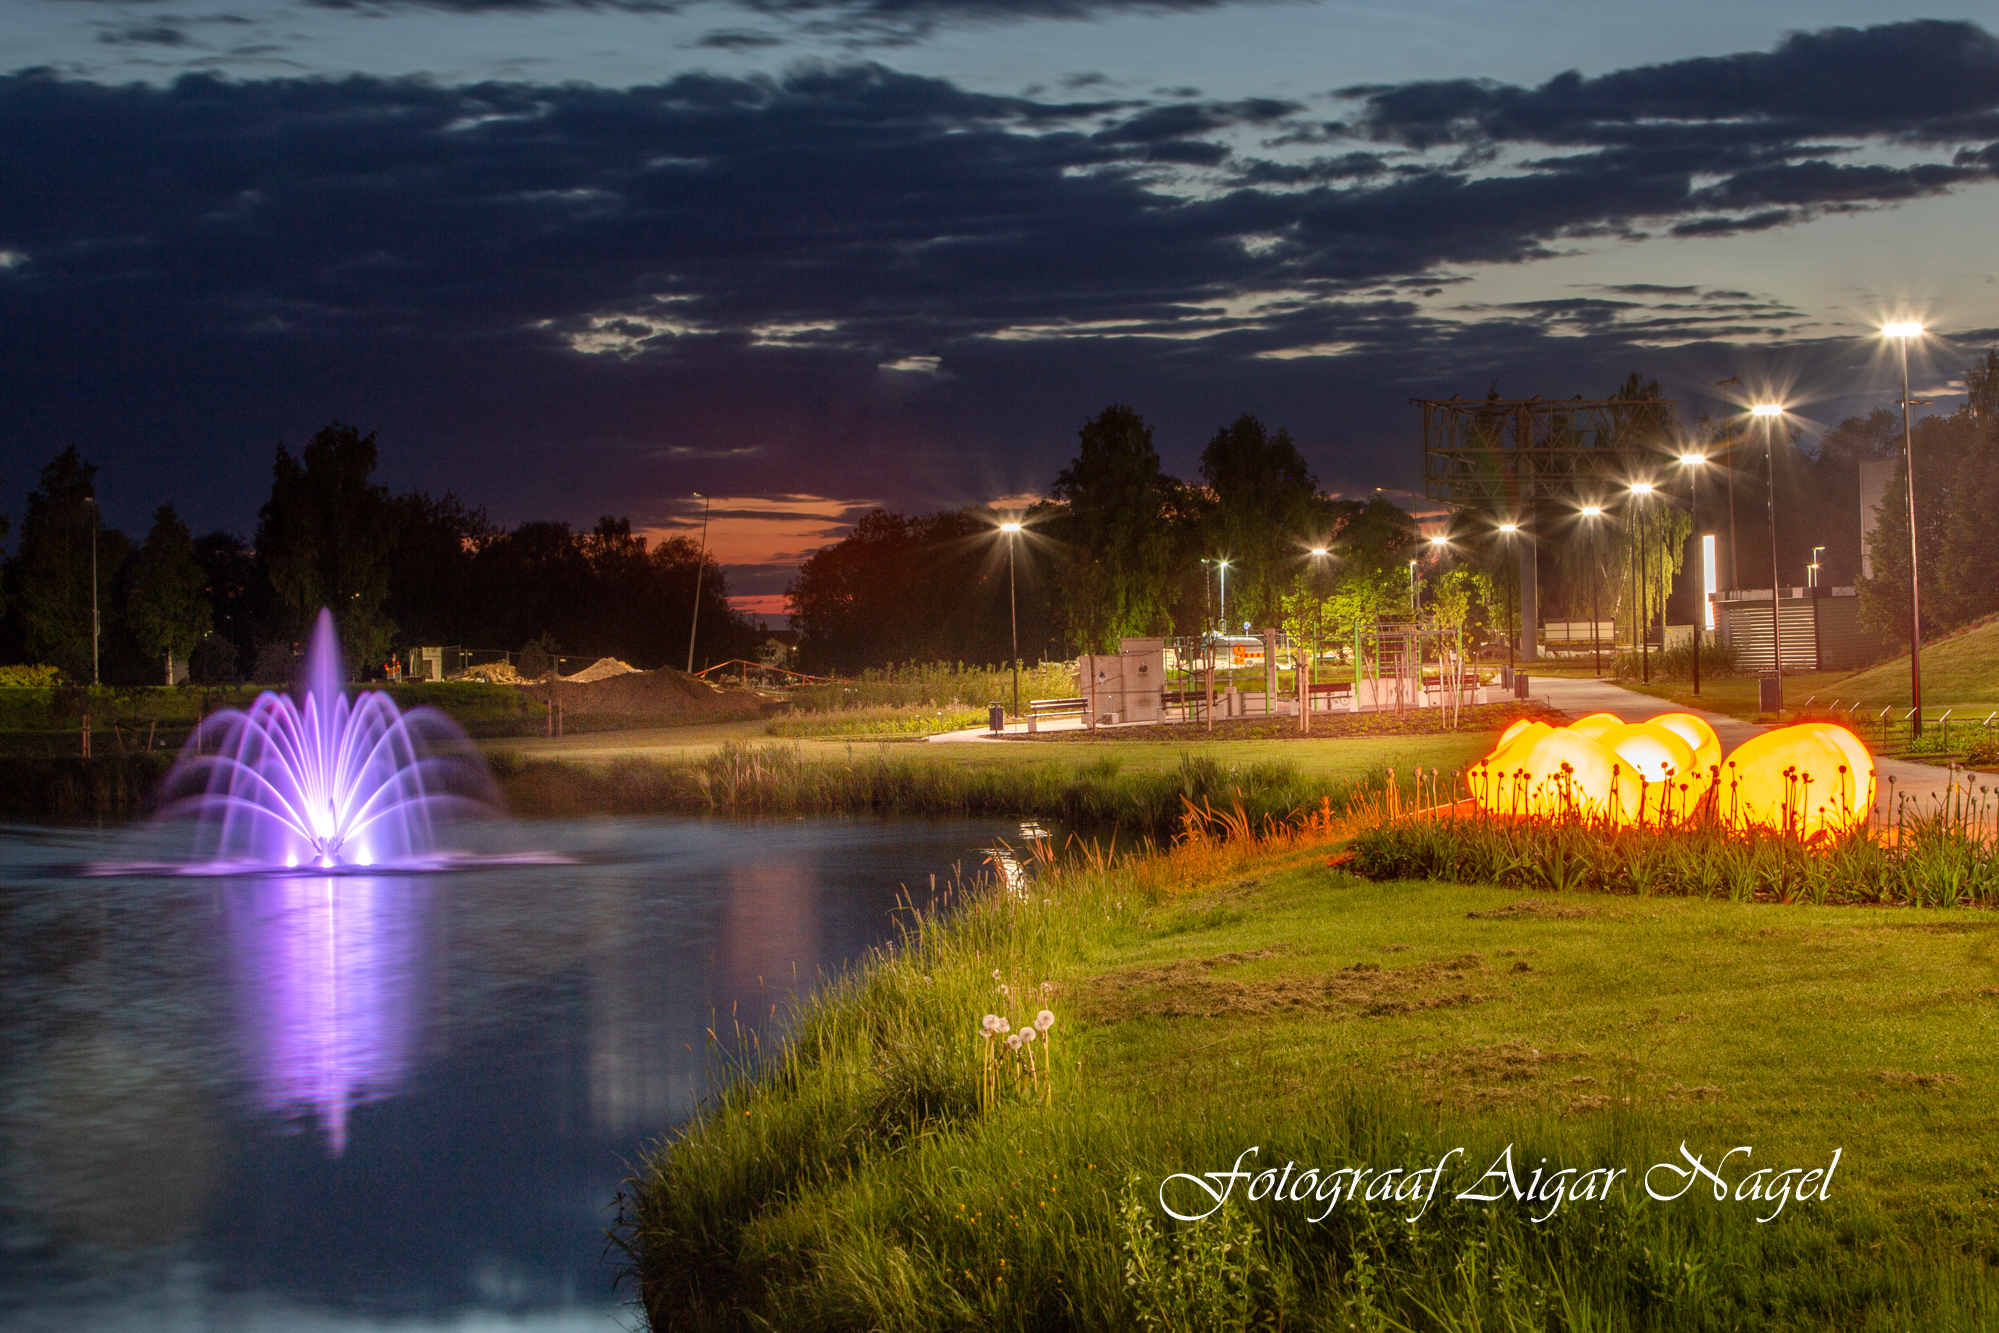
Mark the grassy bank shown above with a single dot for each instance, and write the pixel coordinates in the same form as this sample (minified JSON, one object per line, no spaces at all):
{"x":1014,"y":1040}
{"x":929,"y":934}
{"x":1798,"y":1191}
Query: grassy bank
{"x":1096,"y":792}
{"x":1223,"y":998}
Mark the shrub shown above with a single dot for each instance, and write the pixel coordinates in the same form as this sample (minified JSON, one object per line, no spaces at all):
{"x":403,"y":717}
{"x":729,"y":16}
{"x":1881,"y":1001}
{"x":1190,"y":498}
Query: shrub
{"x":32,"y":677}
{"x":1677,"y":663}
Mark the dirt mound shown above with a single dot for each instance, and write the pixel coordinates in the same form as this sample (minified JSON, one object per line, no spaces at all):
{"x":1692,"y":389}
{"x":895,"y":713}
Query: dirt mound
{"x":665,"y":695}
{"x":602,"y":669}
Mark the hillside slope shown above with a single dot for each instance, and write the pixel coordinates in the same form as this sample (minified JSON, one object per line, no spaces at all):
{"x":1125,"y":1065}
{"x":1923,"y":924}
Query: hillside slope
{"x":1962,"y":668}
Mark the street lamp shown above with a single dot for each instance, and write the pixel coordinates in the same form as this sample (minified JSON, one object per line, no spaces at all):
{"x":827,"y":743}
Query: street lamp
{"x":1694,"y":463}
{"x":1768,"y":414}
{"x":1595,"y":578}
{"x":96,"y":522}
{"x":1307,"y":661}
{"x":1812,"y":570}
{"x":1508,"y":530}
{"x":1012,"y":531}
{"x":1902,"y":333}
{"x":694,"y":621}
{"x":1641,"y":613}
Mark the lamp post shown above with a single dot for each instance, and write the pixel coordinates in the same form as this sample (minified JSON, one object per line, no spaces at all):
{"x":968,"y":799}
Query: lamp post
{"x":694,"y":620}
{"x":1595,"y":579}
{"x":1901,"y":333}
{"x":1643,"y":612}
{"x":1012,"y":531}
{"x":1768,"y":414}
{"x":96,"y":522}
{"x":1812,"y":570}
{"x":1308,"y":661}
{"x":1508,"y":530}
{"x":1694,"y":463}
{"x":1415,"y":598}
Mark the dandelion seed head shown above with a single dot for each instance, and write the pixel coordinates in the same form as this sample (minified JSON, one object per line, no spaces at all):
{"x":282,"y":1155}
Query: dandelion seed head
{"x":1045,"y":1019}
{"x":1027,"y":1034}
{"x":1013,"y":1042}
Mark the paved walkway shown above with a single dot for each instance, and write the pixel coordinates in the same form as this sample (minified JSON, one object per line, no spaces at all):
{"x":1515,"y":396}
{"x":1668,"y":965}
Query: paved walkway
{"x":1577,"y":698}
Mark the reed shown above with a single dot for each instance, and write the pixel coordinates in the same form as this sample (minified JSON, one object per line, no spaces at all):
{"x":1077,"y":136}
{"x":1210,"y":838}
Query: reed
{"x":746,"y":780}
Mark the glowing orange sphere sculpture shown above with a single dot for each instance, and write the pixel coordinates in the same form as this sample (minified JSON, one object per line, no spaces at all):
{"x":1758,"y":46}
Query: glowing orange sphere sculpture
{"x":1808,"y":779}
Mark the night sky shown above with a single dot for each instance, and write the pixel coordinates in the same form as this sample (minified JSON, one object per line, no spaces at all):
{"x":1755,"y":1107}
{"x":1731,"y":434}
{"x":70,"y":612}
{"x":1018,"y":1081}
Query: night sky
{"x":812,"y":255}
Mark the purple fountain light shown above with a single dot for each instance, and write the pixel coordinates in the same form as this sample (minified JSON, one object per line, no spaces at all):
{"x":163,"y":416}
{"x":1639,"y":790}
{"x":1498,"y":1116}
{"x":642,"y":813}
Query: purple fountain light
{"x":325,"y":783}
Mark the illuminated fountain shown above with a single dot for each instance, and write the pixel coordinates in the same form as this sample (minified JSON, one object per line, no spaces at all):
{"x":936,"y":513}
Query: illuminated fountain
{"x":1805,"y":780}
{"x":325,"y":783}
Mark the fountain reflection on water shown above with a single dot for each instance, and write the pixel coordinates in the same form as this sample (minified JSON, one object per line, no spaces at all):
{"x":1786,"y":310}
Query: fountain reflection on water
{"x":326,"y":980}
{"x":325,"y":783}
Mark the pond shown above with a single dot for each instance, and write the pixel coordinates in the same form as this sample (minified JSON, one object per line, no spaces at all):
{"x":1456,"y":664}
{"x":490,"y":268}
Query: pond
{"x":396,"y":1101}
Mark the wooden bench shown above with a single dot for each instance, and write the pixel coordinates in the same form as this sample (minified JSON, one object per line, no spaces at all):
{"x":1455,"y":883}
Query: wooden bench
{"x":1039,"y":708}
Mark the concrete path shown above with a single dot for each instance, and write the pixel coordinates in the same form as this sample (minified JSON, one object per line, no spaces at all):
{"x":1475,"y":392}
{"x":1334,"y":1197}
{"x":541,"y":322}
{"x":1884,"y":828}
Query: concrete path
{"x":1019,"y":728}
{"x":1921,"y":782}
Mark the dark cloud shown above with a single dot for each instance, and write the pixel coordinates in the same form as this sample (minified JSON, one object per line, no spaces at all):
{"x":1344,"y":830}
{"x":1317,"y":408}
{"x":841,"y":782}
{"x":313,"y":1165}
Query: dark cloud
{"x":739,"y":39}
{"x":159,"y":34}
{"x":1927,"y":79}
{"x":567,"y":298}
{"x":861,"y":22}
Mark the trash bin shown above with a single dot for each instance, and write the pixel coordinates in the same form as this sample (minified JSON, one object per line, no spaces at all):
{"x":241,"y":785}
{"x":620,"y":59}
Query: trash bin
{"x":1520,"y":684}
{"x":1770,"y":695}
{"x":1506,"y":678}
{"x":996,"y":718}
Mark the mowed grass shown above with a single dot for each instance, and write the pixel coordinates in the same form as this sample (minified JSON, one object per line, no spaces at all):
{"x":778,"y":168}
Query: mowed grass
{"x":1736,"y":696}
{"x":1960,"y":671}
{"x":1212,"y":1001}
{"x":1794,"y":1030}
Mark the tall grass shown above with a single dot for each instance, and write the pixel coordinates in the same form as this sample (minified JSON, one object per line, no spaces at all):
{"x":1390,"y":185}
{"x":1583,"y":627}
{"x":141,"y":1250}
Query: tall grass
{"x":938,"y":684}
{"x":1943,"y":852}
{"x":776,"y":779}
{"x":858,"y":1179}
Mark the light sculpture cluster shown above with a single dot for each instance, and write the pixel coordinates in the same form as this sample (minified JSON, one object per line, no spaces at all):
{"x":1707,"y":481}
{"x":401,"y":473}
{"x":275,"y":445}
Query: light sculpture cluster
{"x":1806,"y":779}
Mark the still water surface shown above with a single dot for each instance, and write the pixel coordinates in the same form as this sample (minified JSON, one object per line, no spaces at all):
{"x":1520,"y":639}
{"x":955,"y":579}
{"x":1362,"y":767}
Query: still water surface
{"x":391,"y":1102}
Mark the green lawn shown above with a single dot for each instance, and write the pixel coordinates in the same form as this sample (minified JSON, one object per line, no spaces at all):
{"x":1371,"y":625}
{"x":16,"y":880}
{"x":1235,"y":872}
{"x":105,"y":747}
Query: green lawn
{"x":1960,"y":673}
{"x":1736,"y":696}
{"x":1961,"y":670}
{"x":1275,"y":1003}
